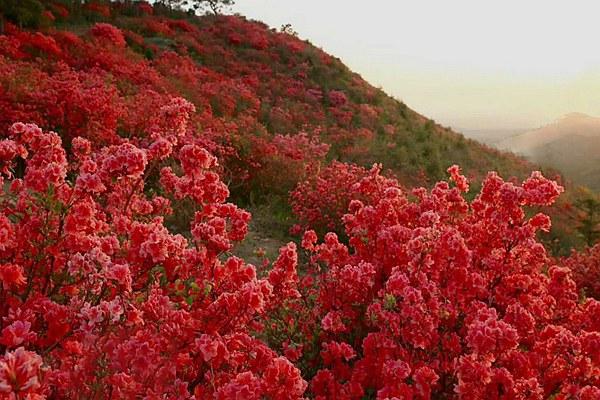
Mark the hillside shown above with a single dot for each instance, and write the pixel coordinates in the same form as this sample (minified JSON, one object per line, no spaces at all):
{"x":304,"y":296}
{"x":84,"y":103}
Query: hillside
{"x":195,"y":209}
{"x":570,"y":144}
{"x":244,"y":79}
{"x":266,"y":103}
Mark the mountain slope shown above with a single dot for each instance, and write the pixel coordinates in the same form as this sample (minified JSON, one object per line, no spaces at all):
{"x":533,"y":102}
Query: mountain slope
{"x":240,"y":72}
{"x":265,"y":102}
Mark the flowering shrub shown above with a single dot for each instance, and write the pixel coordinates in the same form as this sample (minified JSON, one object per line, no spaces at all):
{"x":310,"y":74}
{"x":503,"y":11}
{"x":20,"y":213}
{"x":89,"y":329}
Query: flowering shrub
{"x":99,"y":298}
{"x":280,"y":163}
{"x":108,"y":33}
{"x":337,"y":98}
{"x":287,"y":157}
{"x":320,"y":201}
{"x":585,"y":266}
{"x":99,"y":9}
{"x":436,"y":297}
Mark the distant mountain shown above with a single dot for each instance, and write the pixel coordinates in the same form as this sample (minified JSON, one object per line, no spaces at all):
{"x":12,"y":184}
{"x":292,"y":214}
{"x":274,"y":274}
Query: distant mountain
{"x":491,"y":137}
{"x":570,"y":144}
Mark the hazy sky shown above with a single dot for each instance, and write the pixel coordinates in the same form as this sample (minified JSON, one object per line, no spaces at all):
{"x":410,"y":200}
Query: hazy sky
{"x":474,"y":64}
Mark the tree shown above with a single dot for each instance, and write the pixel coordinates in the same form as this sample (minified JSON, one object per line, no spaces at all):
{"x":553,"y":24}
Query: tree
{"x":216,"y":6}
{"x":287,"y":28}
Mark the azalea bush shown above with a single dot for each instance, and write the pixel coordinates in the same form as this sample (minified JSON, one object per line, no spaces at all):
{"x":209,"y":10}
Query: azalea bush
{"x":320,"y":201}
{"x":99,"y":299}
{"x":431,"y":297}
{"x":277,"y":164}
{"x":436,"y":297}
{"x":585,"y":265}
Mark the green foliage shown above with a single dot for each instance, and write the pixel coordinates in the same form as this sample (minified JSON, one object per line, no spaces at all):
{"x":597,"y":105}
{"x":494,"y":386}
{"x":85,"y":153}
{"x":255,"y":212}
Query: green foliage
{"x":588,"y":207}
{"x":24,"y":13}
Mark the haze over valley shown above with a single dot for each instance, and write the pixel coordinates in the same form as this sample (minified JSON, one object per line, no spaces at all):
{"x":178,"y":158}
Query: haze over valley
{"x":570,"y":144}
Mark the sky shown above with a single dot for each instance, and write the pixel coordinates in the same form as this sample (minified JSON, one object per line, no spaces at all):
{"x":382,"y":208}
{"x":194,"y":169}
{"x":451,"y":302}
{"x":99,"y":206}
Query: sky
{"x":468,"y":64}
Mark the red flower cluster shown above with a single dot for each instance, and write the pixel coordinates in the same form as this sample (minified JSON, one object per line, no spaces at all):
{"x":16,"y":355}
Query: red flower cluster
{"x":441,"y":298}
{"x":108,"y":33}
{"x":320,"y":201}
{"x":586,"y":270}
{"x":99,"y":298}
